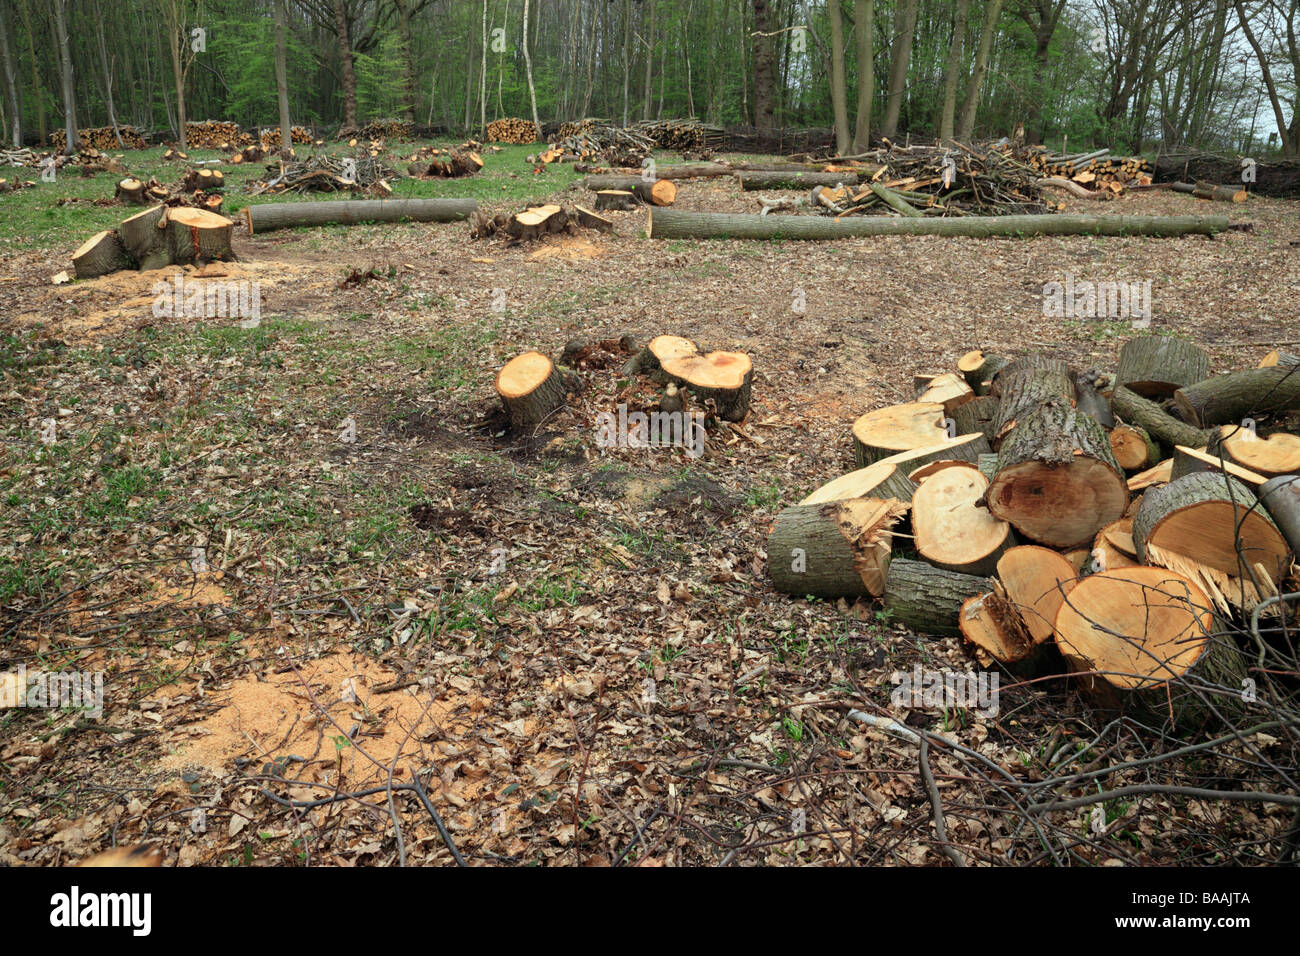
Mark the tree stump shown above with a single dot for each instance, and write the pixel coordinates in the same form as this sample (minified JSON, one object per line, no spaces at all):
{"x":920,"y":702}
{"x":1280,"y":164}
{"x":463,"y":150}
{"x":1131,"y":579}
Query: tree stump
{"x":590,"y":220}
{"x":834,"y":549}
{"x":99,"y":255}
{"x":145,"y":238}
{"x":649,"y":361}
{"x":196,"y":234}
{"x":615,"y":199}
{"x":130,"y":191}
{"x":725,"y":378}
{"x":1155,"y":366}
{"x":531,"y":389}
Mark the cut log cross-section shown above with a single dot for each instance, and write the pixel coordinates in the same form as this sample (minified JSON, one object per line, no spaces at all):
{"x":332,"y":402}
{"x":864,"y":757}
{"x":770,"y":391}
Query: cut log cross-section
{"x":723,"y":378}
{"x":1036,"y":580}
{"x":130,"y":190}
{"x":1057,"y":480}
{"x":897,"y":428}
{"x":661,"y":348}
{"x":196,"y":234}
{"x":979,"y":369}
{"x":1133,"y":447}
{"x":99,"y":255}
{"x":833,"y":549}
{"x":1187,"y":461}
{"x":1278,"y":454}
{"x":1155,"y":366}
{"x":949,"y":390}
{"x":145,"y":238}
{"x":951,"y":530}
{"x":531,"y":389}
{"x":880,"y":480}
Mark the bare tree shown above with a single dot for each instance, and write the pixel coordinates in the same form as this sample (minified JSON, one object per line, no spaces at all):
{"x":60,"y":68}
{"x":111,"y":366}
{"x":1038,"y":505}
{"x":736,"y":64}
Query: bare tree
{"x":12,"y":87}
{"x":528,"y":70}
{"x":67,"y":83}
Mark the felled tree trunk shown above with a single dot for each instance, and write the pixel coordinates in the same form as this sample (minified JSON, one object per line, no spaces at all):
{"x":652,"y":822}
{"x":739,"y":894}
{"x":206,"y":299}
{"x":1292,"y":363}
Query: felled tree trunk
{"x":833,"y":550}
{"x":962,"y":448}
{"x":927,"y":598}
{"x":194,"y":234}
{"x":887,"y":431}
{"x":949,"y":390}
{"x":1281,"y":497}
{"x":531,"y":389}
{"x":976,"y":416}
{"x":1155,"y":366}
{"x":1022,"y":391}
{"x":350,"y":211}
{"x":792,"y":180}
{"x":880,"y":480}
{"x":99,"y":255}
{"x":1155,"y":421}
{"x":1226,"y":399}
{"x":205,"y":179}
{"x":1133,"y":447}
{"x":994,"y":625}
{"x":658,"y":192}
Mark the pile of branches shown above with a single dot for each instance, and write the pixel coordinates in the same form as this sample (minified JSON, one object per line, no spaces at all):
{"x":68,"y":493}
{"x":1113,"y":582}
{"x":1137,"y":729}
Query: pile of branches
{"x":1277,"y":178}
{"x":102,"y":137}
{"x":216,"y":134}
{"x":380,"y":129}
{"x":325,"y":174}
{"x":604,"y":143}
{"x":774,"y":140}
{"x":512,"y":130}
{"x":682,"y":135}
{"x":270,"y":138}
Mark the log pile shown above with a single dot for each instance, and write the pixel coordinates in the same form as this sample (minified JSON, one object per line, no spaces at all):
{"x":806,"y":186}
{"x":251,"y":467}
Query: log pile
{"x":323,"y":173}
{"x":1052,"y":517}
{"x":1094,"y":170}
{"x":517,"y":131}
{"x":156,"y":237}
{"x":380,"y":129}
{"x":683,"y":136}
{"x":101,"y":137}
{"x":599,"y":142}
{"x":270,"y":137}
{"x":216,"y":134}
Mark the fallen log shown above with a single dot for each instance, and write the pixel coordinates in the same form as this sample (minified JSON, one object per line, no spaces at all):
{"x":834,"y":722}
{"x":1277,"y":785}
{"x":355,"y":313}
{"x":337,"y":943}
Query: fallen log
{"x":348,"y":212}
{"x":1073,"y":188}
{"x":927,"y":598}
{"x":1218,"y":193}
{"x":1281,"y":498}
{"x":684,"y":224}
{"x":952,"y":528}
{"x":657,"y":192}
{"x":1156,"y":366}
{"x":1155,"y":421}
{"x":99,"y":255}
{"x":962,"y":448}
{"x":794,"y":180}
{"x":531,"y":389}
{"x":1230,"y":398}
{"x":837,"y":549}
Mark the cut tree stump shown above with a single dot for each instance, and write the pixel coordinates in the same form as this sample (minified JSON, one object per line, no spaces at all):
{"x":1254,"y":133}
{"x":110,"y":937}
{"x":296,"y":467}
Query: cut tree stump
{"x":145,"y":238}
{"x":951,"y":530}
{"x":205,"y":179}
{"x":649,"y":361}
{"x":1281,"y":498}
{"x":1189,"y":461}
{"x":1211,"y":528}
{"x":977,"y":415}
{"x":1133,"y":447}
{"x":725,"y":378}
{"x":536,"y":222}
{"x":1057,"y":481}
{"x":897,"y":428}
{"x":1155,"y":421}
{"x":1144,"y":634}
{"x":834,"y":549}
{"x":1023,"y":390}
{"x":875,"y":481}
{"x":1156,"y":366}
{"x":979,"y":369}
{"x":351,"y":211}
{"x":926,"y":598}
{"x":130,"y":190}
{"x":949,"y":390}
{"x":1278,"y":454}
{"x":591,"y":220}
{"x":196,"y":234}
{"x":615,"y":199}
{"x":99,"y":255}
{"x":531,"y":389}
{"x":1226,"y":399}
{"x":1036,"y":580}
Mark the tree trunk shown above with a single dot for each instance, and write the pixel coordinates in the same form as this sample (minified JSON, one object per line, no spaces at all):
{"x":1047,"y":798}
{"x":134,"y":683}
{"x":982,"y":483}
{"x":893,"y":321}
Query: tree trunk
{"x":927,"y":598}
{"x":880,"y":480}
{"x":346,"y":67}
{"x":1226,"y":399}
{"x":755,"y":181}
{"x":837,"y":549}
{"x":282,"y":80}
{"x":67,"y":82}
{"x":953,"y":70}
{"x":264,"y":218}
{"x":1154,"y":420}
{"x":145,"y":240}
{"x":531,"y":389}
{"x":900,"y":56}
{"x":12,"y":87}
{"x":37,"y":87}
{"x":764,"y":77}
{"x":528,"y":71}
{"x":99,"y":255}
{"x":864,"y":10}
{"x":1156,"y":366}
{"x":969,"y":106}
{"x":839,"y":90}
{"x":648,"y":20}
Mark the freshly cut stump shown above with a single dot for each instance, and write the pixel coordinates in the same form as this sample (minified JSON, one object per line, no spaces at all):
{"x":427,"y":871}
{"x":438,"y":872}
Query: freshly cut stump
{"x":1275,"y":455}
{"x":951,"y":530}
{"x":978,"y":369}
{"x":661,"y":348}
{"x":591,"y":220}
{"x":1155,"y":366}
{"x":927,"y":598}
{"x":834,"y":549}
{"x":130,"y":190}
{"x":99,"y":255}
{"x":1146,"y":632}
{"x":1036,"y":580}
{"x":1057,"y":481}
{"x":615,"y":199}
{"x":1189,"y":461}
{"x":145,"y":238}
{"x":724,"y":377}
{"x":898,"y":428}
{"x":531,"y":389}
{"x":880,"y":480}
{"x":194,"y":234}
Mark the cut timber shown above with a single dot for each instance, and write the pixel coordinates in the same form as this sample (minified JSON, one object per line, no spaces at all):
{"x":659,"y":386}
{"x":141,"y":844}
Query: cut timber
{"x":952,"y":531}
{"x":145,"y":238}
{"x":99,"y":255}
{"x":1279,"y":358}
{"x":1133,"y":447}
{"x":591,"y":220}
{"x":1278,"y":454}
{"x":661,"y":348}
{"x":949,"y":390}
{"x":1211,"y":528}
{"x":919,"y":475}
{"x":1113,"y":547}
{"x":875,"y":481}
{"x":1220,"y":193}
{"x":1036,"y":580}
{"x":531,"y":389}
{"x":1023,"y":390}
{"x":962,"y":448}
{"x":683,"y":224}
{"x":1008,"y":370}
{"x":130,"y":190}
{"x":993,"y":624}
{"x":976,"y":415}
{"x":927,"y":598}
{"x":1057,"y":480}
{"x":537,"y":222}
{"x":1230,"y":398}
{"x":350,"y":211}
{"x":794,"y":180}
{"x":615,"y":199}
{"x":1155,"y":421}
{"x":1144,"y":633}
{"x":194,"y":234}
{"x":979,"y":369}
{"x":205,"y":179}
{"x":724,"y":378}
{"x":834,"y":549}
{"x":1155,"y":366}
{"x":1188,"y":461}
{"x":897,"y":428}
{"x":1281,"y":497}
{"x":657,"y":192}
{"x":1156,"y":475}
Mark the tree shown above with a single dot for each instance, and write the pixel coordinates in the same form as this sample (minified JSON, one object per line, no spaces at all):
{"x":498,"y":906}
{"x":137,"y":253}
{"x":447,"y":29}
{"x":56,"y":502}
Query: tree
{"x":764,"y":105}
{"x":839,"y":95}
{"x":528,"y":68}
{"x":13,"y":89}
{"x":282,"y":81}
{"x":1288,"y":133}
{"x":975,"y":85}
{"x":900,"y":55}
{"x":1042,"y":17}
{"x":346,"y":68}
{"x":67,"y":82}
{"x":182,"y":57}
{"x":864,"y":11}
{"x":950,"y":75}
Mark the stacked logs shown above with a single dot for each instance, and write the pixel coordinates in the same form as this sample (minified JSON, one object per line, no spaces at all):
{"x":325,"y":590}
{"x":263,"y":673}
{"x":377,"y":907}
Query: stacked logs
{"x":101,"y":137}
{"x":385,"y":129}
{"x":1113,"y":525}
{"x":270,"y":138}
{"x":682,"y":135}
{"x":216,"y":134}
{"x":156,"y":237}
{"x":1094,"y":170}
{"x":517,"y":131}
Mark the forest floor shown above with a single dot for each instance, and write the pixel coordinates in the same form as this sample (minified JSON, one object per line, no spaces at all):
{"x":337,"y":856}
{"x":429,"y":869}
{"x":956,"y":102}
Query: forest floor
{"x":575,"y":649}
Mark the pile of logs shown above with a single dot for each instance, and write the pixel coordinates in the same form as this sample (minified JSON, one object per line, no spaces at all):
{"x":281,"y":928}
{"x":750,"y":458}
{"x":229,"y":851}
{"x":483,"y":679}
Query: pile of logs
{"x":270,"y":137}
{"x":380,"y":129}
{"x":536,"y":221}
{"x":517,"y":131}
{"x":102,"y":137}
{"x":597,"y":141}
{"x":1119,"y":526}
{"x":444,"y":163}
{"x":249,"y":154}
{"x":323,"y":173}
{"x":682,"y":135}
{"x":216,"y":134}
{"x":1094,"y":170}
{"x":10,"y":185}
{"x":1211,"y":191}
{"x":156,"y":237}
{"x":19,"y":157}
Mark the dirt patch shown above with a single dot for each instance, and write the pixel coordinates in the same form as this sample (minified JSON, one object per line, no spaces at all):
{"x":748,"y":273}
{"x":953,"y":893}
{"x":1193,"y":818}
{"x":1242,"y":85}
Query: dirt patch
{"x":570,"y":249}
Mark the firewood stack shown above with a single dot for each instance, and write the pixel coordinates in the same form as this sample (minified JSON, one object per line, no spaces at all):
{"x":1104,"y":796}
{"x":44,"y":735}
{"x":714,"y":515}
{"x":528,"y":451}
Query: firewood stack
{"x":517,"y":131}
{"x":380,"y":129}
{"x":682,"y":135}
{"x":1119,"y":526}
{"x":1094,"y":170}
{"x":101,"y":137}
{"x":216,"y":134}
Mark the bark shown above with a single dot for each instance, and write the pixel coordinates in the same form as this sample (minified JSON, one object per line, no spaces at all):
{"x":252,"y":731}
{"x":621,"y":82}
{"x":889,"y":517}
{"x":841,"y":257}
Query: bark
{"x":839,"y":94}
{"x":928,"y":598}
{"x":833,"y":549}
{"x":349,"y":211}
{"x":108,"y":75}
{"x":761,"y":180}
{"x":37,"y":87}
{"x":866,"y":75}
{"x":953,"y":69}
{"x":1226,"y":399}
{"x":282,"y":80}
{"x":764,"y":77}
{"x":528,"y":70}
{"x":1281,"y":497}
{"x":969,"y":106}
{"x":899,"y":58}
{"x":12,"y":87}
{"x":1153,"y":419}
{"x":347,"y":70}
{"x":1155,"y":366}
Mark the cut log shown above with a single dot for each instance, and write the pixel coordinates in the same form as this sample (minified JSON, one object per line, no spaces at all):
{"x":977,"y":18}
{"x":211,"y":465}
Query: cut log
{"x":1036,"y":580}
{"x":350,"y":211}
{"x":1279,"y":358}
{"x":531,"y":389}
{"x":1278,"y":454}
{"x":99,"y":255}
{"x":977,"y":415}
{"x":927,"y":598}
{"x":1281,"y":498}
{"x":1220,"y":193}
{"x":992,"y":623}
{"x":615,"y":199}
{"x":962,"y":448}
{"x":951,"y":530}
{"x":1155,"y":366}
{"x":1057,"y":480}
{"x":880,"y":480}
{"x":1133,"y":447}
{"x":1022,"y":391}
{"x":1230,"y":398}
{"x":145,"y":238}
{"x":205,"y":179}
{"x":590,"y":220}
{"x":949,"y":390}
{"x":979,"y":369}
{"x":1160,"y":474}
{"x":196,"y":234}
{"x":683,"y":224}
{"x":1155,"y":421}
{"x":1211,"y":528}
{"x":1012,"y":368}
{"x":536,"y":222}
{"x":1189,"y":461}
{"x":918,"y":475}
{"x":1144,"y":633}
{"x":1113,"y":547}
{"x":894,"y":201}
{"x":130,"y":190}
{"x":751,"y":181}
{"x":724,"y":378}
{"x":836,"y":549}
{"x":656,"y":192}
{"x":897,"y":428}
